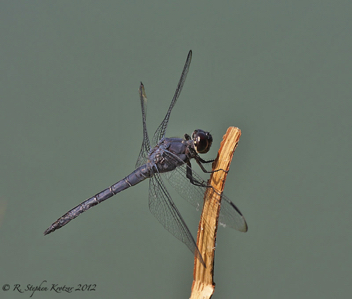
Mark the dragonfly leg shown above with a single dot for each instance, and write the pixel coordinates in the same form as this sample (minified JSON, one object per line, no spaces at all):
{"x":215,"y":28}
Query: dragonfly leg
{"x":192,"y":179}
{"x":204,"y":161}
{"x":199,"y":160}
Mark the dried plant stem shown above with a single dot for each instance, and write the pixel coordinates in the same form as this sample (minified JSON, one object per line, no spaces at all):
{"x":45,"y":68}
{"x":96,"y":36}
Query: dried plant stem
{"x":203,"y":284}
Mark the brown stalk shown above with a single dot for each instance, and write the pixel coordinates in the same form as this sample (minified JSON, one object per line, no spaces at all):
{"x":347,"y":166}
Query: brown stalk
{"x":203,"y":281}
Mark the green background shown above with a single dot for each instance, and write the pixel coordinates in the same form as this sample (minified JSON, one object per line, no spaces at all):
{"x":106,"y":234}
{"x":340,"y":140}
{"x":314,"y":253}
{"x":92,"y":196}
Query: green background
{"x":71,"y":126}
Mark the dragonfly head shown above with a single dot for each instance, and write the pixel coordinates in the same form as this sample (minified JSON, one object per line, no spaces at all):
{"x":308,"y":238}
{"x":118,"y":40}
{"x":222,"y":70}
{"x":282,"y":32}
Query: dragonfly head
{"x":202,"y":141}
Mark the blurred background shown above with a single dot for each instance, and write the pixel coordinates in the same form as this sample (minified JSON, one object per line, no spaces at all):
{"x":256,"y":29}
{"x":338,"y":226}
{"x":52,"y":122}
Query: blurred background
{"x":71,"y":126}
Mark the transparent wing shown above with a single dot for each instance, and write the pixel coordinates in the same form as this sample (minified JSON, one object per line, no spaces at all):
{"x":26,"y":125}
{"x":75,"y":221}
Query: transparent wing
{"x":160,"y":131}
{"x":143,"y":154}
{"x":230,"y":215}
{"x":164,"y":209}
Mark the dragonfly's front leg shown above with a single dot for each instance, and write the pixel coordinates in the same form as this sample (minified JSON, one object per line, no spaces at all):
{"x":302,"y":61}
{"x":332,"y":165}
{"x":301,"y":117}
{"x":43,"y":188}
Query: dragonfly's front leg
{"x":199,"y":160}
{"x":203,"y":161}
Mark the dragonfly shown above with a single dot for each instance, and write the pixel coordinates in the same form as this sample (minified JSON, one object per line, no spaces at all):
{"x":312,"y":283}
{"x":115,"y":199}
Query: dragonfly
{"x":168,"y":159}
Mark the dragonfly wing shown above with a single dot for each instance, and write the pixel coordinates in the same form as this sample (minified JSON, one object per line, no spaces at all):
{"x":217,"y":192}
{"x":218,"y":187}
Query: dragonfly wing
{"x":164,"y":209}
{"x":230,"y":215}
{"x":160,"y":131}
{"x":143,"y":154}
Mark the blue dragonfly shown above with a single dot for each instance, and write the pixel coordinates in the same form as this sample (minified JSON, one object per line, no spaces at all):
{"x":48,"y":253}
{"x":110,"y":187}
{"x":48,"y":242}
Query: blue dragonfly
{"x":167,"y":159}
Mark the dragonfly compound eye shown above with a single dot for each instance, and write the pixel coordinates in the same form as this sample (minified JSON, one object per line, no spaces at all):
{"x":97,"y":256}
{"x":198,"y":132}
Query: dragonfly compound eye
{"x":202,"y":141}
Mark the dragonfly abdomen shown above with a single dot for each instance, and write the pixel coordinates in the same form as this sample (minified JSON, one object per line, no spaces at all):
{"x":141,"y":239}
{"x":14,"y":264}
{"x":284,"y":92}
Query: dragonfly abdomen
{"x":140,"y":174}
